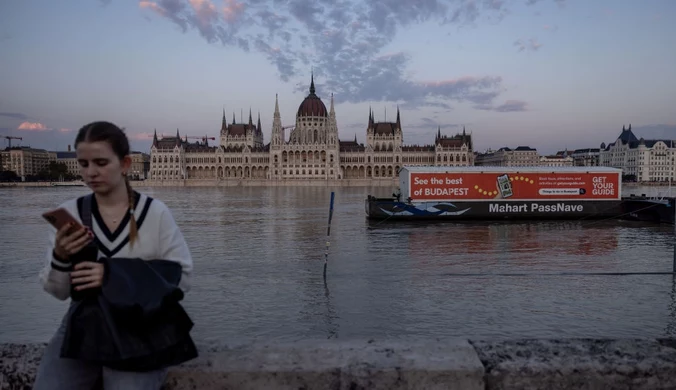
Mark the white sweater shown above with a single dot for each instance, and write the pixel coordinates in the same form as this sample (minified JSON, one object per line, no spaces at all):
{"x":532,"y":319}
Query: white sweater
{"x":158,"y":238}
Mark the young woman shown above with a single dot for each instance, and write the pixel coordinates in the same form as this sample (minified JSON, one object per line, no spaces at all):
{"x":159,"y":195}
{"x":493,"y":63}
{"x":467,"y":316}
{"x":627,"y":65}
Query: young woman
{"x":125,"y":224}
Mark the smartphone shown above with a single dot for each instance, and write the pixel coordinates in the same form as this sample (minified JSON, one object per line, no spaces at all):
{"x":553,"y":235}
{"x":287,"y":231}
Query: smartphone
{"x":505,"y":186}
{"x":60,"y":217}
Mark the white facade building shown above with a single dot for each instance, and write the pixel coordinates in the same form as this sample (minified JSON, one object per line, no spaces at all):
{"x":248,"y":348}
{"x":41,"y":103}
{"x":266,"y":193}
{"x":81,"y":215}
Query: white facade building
{"x":521,"y":156}
{"x":558,"y":160}
{"x":641,"y":160}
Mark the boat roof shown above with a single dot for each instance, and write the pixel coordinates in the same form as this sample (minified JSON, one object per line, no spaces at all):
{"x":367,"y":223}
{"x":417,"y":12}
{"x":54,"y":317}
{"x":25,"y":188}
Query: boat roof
{"x":501,"y":169}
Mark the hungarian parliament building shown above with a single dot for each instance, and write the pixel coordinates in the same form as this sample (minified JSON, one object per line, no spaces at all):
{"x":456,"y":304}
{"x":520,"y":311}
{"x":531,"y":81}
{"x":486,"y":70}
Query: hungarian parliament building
{"x":312,"y":151}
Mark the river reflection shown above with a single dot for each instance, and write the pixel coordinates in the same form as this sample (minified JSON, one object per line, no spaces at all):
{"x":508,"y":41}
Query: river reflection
{"x":521,"y":244}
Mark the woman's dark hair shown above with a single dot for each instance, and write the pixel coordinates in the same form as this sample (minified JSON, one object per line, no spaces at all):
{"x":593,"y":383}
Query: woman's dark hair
{"x":118,"y":141}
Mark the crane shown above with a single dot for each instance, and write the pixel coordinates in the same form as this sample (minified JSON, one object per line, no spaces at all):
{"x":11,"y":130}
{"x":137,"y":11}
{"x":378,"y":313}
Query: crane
{"x":10,"y":138}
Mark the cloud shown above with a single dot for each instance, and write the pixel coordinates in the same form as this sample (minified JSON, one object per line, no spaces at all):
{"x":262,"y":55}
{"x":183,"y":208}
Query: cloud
{"x":531,"y":45}
{"x":549,"y":27}
{"x":15,"y":115}
{"x":415,"y":106}
{"x":32,"y":126}
{"x":140,"y":136}
{"x":342,"y":39}
{"x":508,"y":106}
{"x":433,"y":125}
{"x":560,"y":3}
{"x":512,"y":106}
{"x":425,"y":124}
{"x":37,"y":126}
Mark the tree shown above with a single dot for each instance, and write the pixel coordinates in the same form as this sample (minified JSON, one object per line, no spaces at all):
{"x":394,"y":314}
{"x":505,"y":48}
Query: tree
{"x":55,"y":171}
{"x":6,"y":176}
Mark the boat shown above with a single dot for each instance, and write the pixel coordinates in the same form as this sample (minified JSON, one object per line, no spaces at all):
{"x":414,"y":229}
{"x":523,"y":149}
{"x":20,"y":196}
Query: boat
{"x":649,"y":209}
{"x":501,"y":193}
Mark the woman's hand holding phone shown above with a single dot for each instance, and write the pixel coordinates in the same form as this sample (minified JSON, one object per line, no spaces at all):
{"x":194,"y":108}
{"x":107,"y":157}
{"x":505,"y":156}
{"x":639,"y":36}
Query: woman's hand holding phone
{"x":68,"y":243}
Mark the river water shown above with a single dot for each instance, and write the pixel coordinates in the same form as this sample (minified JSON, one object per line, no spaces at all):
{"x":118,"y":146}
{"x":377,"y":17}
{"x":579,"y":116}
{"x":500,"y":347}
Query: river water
{"x":259,"y":255}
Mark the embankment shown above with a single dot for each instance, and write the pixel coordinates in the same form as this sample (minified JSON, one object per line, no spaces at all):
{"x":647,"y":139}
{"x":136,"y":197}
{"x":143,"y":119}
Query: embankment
{"x":437,"y":364}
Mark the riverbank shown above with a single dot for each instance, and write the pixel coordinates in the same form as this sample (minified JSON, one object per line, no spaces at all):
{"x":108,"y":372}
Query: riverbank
{"x":44,"y":184}
{"x":25,"y":184}
{"x":434,"y":364}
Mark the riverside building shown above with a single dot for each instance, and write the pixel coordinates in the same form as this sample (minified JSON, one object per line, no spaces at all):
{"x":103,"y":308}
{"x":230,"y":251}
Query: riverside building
{"x":309,"y":152}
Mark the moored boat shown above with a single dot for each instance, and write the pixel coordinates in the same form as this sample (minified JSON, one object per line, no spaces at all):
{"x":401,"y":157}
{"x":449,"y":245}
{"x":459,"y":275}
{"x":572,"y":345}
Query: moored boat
{"x":649,"y":209}
{"x":501,"y":193}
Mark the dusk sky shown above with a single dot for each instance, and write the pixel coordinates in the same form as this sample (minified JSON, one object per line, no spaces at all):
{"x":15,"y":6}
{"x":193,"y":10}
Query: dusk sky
{"x":551,"y":74}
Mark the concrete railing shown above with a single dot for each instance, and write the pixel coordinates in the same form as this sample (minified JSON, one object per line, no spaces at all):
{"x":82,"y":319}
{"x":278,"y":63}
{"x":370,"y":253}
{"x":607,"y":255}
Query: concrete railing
{"x":438,"y":364}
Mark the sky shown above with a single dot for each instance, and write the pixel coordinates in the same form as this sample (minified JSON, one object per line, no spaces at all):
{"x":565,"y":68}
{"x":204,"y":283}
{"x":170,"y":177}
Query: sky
{"x":550,"y":74}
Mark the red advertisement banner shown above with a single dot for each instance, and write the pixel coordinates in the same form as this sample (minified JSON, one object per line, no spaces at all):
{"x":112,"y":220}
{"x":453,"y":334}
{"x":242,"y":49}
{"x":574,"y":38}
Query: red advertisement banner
{"x":512,"y":186}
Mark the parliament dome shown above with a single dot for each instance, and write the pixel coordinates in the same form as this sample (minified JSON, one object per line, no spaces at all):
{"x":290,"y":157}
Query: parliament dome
{"x":312,"y":105}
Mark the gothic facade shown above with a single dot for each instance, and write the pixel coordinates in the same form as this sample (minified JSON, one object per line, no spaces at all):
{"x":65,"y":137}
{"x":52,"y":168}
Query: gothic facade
{"x":311,"y":152}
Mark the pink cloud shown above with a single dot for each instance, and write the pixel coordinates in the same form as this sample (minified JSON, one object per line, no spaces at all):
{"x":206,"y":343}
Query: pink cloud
{"x":140,"y":136}
{"x":32,"y":126}
{"x":232,"y":10}
{"x":205,"y":11}
{"x":64,"y":130}
{"x":152,"y":6}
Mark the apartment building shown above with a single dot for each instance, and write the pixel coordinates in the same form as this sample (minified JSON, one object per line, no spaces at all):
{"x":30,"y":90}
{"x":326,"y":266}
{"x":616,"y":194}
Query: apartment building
{"x":521,"y":156}
{"x":641,"y":159}
{"x":24,"y":161}
{"x":557,"y":160}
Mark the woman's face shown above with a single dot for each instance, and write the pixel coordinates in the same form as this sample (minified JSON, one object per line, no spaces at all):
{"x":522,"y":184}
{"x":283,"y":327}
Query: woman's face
{"x":100,"y":167}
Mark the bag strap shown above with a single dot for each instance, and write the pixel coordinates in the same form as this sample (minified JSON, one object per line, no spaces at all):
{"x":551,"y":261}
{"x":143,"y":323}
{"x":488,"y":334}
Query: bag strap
{"x":87,"y":221}
{"x":87,"y":211}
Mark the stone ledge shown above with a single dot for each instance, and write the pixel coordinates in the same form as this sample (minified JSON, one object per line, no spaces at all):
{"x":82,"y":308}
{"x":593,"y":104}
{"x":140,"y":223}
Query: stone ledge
{"x":579,"y":364}
{"x":305,"y":365}
{"x":436,"y":364}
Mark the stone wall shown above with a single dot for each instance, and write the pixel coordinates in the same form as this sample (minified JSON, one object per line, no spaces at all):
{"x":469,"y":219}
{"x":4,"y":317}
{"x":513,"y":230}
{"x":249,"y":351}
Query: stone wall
{"x":436,"y":364}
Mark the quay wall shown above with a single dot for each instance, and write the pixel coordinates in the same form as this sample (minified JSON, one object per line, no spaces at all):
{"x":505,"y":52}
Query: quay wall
{"x":26,"y":184}
{"x":432,"y":364}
